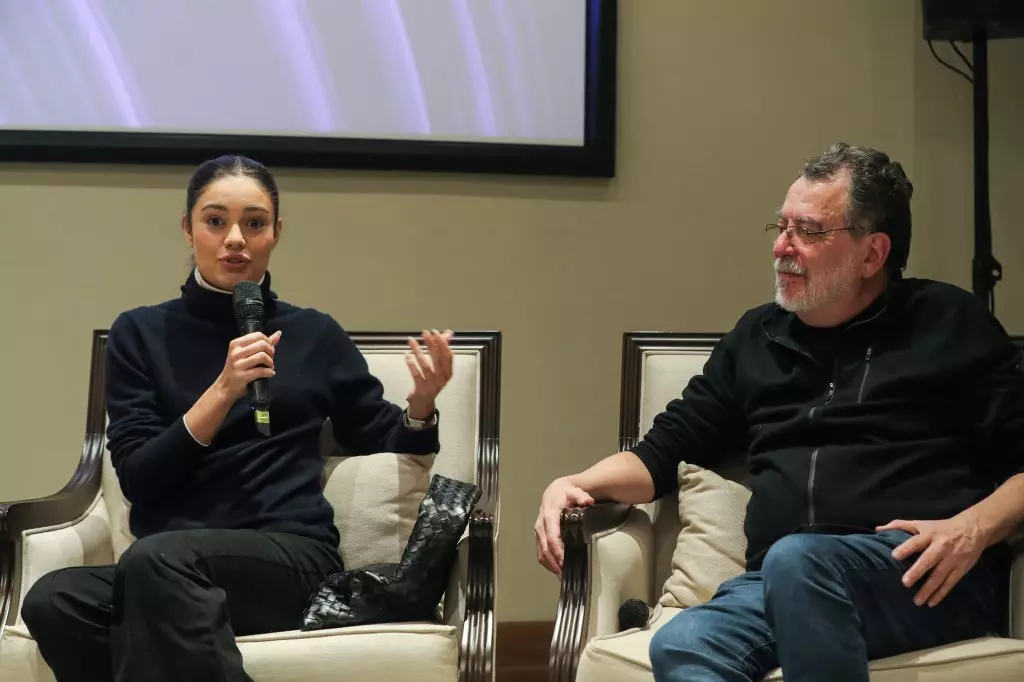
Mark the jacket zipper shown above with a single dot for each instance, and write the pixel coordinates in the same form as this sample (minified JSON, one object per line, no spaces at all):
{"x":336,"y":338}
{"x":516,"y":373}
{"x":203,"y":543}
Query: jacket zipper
{"x":828,"y":398}
{"x":814,"y":453}
{"x":864,"y":379}
{"x":810,"y":488}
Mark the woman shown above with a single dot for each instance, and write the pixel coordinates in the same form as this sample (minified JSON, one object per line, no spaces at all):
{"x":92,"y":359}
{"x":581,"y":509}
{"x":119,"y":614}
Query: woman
{"x":234,"y":533}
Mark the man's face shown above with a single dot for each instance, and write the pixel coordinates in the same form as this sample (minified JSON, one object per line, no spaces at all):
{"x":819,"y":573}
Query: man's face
{"x":812,"y":272}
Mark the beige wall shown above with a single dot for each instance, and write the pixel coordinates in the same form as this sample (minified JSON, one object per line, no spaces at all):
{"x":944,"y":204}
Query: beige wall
{"x":720,"y":102}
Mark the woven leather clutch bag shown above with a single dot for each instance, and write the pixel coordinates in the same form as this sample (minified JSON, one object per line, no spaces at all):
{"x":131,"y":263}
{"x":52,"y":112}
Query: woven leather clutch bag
{"x":409,"y":590}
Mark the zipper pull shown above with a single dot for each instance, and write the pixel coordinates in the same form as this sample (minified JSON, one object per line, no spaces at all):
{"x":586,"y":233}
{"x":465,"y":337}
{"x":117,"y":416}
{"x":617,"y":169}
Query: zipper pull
{"x":831,"y":392}
{"x":867,"y":358}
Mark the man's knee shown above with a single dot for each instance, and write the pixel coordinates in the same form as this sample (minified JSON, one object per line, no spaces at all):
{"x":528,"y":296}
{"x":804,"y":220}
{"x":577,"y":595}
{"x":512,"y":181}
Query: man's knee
{"x":685,"y":636}
{"x":804,"y":558}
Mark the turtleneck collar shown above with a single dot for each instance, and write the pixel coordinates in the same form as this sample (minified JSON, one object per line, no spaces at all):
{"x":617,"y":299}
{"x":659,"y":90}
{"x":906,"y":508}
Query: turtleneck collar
{"x":205,"y":301}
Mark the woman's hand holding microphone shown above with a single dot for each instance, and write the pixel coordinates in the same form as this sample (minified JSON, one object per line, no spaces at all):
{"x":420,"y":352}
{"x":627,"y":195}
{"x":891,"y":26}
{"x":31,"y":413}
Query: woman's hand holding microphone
{"x":249,"y":357}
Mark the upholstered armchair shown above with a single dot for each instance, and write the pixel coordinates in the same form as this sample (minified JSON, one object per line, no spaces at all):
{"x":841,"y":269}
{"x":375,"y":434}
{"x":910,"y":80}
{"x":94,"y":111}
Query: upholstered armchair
{"x":375,"y":498}
{"x":674,"y":552}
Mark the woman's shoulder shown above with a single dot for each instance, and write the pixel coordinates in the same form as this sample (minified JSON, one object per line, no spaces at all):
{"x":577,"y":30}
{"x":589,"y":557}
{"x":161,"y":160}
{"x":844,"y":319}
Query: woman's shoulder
{"x":145,"y":315}
{"x":289,"y":313}
{"x":309,"y":320}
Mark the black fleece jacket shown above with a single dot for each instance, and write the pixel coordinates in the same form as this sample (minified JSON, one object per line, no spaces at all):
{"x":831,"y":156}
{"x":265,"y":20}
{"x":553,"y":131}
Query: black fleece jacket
{"x":913,"y":410}
{"x":161,"y":358}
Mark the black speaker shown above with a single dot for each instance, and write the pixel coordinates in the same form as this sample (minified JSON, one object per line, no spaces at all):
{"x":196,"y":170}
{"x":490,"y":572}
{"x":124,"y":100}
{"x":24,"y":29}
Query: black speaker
{"x":959,"y":19}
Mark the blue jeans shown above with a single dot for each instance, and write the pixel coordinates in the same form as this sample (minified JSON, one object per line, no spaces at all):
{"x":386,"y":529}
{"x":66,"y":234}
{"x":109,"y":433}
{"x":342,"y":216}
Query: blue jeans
{"x":820,"y":607}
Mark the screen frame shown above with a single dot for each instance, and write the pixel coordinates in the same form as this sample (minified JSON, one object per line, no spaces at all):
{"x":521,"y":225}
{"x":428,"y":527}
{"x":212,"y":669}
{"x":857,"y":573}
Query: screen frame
{"x":595,"y":158}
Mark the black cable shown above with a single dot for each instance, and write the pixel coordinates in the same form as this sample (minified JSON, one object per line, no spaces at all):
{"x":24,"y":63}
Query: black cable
{"x":963,"y":57}
{"x":948,"y":65}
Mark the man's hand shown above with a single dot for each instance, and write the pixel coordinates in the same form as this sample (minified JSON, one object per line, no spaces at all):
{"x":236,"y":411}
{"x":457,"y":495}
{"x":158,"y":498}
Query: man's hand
{"x":949,"y":548}
{"x":560,"y":495}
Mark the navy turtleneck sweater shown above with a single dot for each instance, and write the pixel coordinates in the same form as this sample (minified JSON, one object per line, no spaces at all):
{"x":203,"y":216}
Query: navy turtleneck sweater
{"x":160,"y":360}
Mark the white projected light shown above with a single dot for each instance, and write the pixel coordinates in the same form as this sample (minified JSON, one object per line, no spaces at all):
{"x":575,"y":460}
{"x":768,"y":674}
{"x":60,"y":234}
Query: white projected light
{"x":377,"y":83}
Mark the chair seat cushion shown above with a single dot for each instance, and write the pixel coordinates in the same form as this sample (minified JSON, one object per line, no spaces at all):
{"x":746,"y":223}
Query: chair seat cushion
{"x":623,"y":657}
{"x":424,"y":652}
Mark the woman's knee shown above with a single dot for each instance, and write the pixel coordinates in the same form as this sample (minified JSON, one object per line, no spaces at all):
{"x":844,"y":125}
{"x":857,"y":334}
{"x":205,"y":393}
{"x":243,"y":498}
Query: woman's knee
{"x":149,"y":557}
{"x":152,"y":568}
{"x":40,"y":609}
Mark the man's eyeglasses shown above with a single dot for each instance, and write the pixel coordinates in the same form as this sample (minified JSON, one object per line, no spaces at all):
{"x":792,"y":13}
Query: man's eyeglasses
{"x":802,"y":232}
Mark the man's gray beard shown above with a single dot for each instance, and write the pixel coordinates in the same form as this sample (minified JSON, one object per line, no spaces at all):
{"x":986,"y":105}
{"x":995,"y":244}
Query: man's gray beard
{"x":819,"y":291}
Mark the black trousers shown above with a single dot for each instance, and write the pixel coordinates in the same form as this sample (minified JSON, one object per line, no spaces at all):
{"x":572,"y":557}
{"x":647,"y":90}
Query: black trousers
{"x":172,"y":606}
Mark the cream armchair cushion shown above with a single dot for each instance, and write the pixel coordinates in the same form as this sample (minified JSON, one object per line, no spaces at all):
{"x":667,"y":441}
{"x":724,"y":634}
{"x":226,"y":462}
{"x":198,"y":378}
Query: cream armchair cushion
{"x":711,"y":546}
{"x":393,"y":486}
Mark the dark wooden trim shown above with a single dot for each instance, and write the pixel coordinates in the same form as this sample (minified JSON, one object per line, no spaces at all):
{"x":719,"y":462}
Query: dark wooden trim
{"x":634,"y":344}
{"x":69,"y":502}
{"x":73,"y":499}
{"x":578,"y":526}
{"x":6,"y":581}
{"x":523,"y":650}
{"x":477,"y":651}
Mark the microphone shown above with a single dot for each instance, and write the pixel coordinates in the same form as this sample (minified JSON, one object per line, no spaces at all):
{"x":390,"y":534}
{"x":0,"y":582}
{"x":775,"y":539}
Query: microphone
{"x":248,"y":304}
{"x":633,"y":614}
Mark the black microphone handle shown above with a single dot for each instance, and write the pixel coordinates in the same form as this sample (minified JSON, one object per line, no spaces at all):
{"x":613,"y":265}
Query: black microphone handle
{"x":259,"y":391}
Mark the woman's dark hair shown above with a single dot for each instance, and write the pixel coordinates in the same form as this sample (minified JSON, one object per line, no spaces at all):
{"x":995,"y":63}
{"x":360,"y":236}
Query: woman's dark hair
{"x":230,"y":166}
{"x":879,"y":199}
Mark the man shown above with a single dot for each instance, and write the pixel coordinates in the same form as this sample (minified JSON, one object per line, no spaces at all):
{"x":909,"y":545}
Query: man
{"x":884,"y":424}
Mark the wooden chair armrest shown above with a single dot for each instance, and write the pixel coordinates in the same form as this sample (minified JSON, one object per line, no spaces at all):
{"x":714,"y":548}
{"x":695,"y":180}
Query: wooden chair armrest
{"x":476,"y":661}
{"x":579,"y":526}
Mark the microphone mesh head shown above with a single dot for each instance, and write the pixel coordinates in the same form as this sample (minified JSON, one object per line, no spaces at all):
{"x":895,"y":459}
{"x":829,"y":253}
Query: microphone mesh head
{"x":248,"y":301}
{"x":633,"y":614}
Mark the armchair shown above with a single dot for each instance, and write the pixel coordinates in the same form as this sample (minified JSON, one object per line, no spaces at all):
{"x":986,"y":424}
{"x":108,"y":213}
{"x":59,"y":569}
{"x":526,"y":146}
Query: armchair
{"x":375,"y":499}
{"x":616,"y":552}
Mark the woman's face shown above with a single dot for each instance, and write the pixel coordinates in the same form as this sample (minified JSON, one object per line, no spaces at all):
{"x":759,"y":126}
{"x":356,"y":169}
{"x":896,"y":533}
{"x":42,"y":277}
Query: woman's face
{"x":231,"y":231}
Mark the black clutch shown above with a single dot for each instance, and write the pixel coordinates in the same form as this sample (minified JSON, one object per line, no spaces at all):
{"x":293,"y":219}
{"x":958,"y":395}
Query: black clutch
{"x":409,"y":590}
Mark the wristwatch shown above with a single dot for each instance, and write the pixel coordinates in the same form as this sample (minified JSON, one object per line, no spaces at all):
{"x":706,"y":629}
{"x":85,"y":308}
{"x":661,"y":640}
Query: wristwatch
{"x":417,"y":424}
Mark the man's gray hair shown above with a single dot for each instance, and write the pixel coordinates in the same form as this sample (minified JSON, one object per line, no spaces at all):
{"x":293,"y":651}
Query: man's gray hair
{"x":879,"y":198}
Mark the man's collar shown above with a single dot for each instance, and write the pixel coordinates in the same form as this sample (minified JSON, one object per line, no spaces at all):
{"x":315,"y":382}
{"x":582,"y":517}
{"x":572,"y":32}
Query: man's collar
{"x":785,"y":327}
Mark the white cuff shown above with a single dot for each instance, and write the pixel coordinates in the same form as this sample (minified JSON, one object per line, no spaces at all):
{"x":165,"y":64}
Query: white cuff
{"x":183,"y":421}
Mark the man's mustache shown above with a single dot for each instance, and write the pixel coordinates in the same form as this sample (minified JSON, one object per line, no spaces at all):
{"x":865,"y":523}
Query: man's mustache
{"x":788,"y":266}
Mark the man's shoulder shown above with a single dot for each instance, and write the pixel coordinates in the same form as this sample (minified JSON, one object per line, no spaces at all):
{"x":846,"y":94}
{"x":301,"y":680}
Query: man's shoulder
{"x":922,"y":292}
{"x":934,"y":305}
{"x":748,"y":326}
{"x":946,"y":324}
{"x":754,"y":316}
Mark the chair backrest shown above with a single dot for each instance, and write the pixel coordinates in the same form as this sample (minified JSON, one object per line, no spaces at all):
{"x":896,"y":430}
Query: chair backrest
{"x":656,"y":367}
{"x":376,"y":497}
